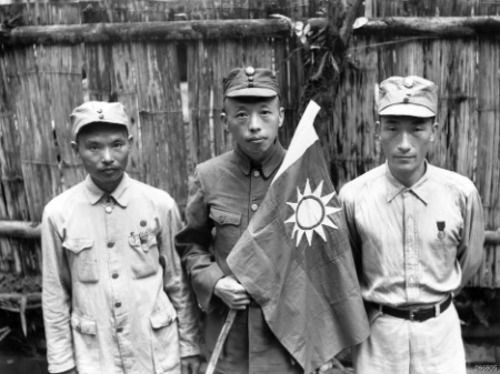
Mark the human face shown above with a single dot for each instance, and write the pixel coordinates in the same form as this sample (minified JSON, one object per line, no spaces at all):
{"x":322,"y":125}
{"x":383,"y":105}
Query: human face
{"x":253,"y":123}
{"x":104,"y":151}
{"x":405,"y":142}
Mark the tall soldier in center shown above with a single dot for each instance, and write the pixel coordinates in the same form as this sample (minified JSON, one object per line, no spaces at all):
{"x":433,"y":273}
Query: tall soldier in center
{"x":225,"y":193}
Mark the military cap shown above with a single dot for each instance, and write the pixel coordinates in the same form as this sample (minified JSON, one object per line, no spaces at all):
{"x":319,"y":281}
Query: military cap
{"x":250,"y":81}
{"x":407,"y":96}
{"x":98,"y":112}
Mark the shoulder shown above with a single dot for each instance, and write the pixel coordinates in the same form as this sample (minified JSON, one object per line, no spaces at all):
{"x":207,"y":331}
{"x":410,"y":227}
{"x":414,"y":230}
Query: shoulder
{"x":150,"y":193}
{"x":215,"y":163}
{"x":65,"y":200}
{"x":452,"y":180}
{"x":358,"y":185}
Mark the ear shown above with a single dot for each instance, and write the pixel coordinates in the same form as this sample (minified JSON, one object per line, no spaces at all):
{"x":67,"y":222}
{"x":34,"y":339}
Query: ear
{"x":130,"y":139}
{"x":74,"y":146}
{"x":377,"y":130}
{"x":223,"y":118}
{"x":434,"y":129}
{"x":282,"y":116}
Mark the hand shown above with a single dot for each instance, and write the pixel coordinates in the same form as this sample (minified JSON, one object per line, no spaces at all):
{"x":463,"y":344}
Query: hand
{"x":229,"y":290}
{"x":190,"y":364}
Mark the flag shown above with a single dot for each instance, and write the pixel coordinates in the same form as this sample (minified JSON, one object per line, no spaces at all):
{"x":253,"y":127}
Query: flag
{"x":295,"y":261}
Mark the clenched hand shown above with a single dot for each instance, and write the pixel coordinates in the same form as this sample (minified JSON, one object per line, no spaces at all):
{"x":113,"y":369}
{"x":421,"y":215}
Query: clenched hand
{"x":229,"y":290}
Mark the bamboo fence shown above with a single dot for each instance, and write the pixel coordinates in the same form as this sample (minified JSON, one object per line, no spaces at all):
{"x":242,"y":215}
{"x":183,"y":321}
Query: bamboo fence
{"x":168,"y":74}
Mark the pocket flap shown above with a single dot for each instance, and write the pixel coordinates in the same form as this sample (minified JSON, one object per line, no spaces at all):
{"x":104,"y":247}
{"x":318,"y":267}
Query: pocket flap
{"x":223,"y":217}
{"x":161,"y":318}
{"x":84,"y":325}
{"x":76,"y":245}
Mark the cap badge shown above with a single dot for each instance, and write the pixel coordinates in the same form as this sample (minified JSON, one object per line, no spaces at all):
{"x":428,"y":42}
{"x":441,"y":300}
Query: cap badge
{"x":99,"y":110}
{"x":408,"y":82}
{"x":250,"y":71}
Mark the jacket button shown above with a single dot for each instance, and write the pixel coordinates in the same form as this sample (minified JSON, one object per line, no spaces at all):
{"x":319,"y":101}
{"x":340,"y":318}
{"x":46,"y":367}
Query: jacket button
{"x":118,"y":304}
{"x":254,"y":207}
{"x":119,"y":329}
{"x":111,"y":244}
{"x":114,"y":276}
{"x":256,"y":173}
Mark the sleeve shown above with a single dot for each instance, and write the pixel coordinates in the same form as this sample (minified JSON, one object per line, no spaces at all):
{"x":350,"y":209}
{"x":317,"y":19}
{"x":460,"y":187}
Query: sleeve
{"x":176,"y":287}
{"x":354,"y":238}
{"x":56,"y":299}
{"x":471,"y":248}
{"x":193,"y":244}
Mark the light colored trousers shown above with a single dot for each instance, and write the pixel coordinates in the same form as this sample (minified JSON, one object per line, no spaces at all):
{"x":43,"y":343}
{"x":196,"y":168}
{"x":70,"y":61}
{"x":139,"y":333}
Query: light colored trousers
{"x":400,"y":346}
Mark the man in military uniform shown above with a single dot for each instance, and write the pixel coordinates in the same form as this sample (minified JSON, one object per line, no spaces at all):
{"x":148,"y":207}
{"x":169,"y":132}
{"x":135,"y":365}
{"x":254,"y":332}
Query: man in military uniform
{"x":417,"y":236}
{"x":115,"y":298}
{"x":225,"y":193}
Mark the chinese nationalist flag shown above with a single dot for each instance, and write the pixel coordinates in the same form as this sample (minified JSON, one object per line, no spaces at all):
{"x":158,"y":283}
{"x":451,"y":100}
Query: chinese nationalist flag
{"x":295,"y":260}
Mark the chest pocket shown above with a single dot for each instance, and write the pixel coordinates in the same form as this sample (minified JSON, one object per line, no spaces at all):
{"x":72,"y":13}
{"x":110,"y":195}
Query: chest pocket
{"x":145,"y":255}
{"x":82,"y":259}
{"x":224,"y":217}
{"x":228,"y":228}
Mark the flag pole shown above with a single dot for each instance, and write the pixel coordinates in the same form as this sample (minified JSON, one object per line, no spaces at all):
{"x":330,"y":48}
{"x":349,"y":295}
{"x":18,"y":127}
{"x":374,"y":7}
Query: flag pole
{"x":220,"y":341}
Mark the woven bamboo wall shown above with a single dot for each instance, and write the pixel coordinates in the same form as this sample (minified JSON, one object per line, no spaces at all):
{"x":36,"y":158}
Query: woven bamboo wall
{"x":39,"y":85}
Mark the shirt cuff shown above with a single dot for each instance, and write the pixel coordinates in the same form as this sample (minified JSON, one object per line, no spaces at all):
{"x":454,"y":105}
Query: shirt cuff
{"x":204,"y":291}
{"x":61,"y":368}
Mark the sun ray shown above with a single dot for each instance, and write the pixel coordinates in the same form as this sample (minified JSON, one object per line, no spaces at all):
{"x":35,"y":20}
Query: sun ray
{"x":307,"y":190}
{"x":299,"y":236}
{"x":331,"y":210}
{"x":319,"y":230}
{"x":326,"y":199}
{"x":328,"y":222}
{"x":319,"y":189}
{"x":309,"y":235}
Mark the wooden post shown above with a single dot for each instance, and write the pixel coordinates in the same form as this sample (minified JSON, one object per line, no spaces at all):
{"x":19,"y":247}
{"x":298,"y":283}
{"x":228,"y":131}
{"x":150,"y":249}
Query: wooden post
{"x":439,"y":27}
{"x":20,"y":229}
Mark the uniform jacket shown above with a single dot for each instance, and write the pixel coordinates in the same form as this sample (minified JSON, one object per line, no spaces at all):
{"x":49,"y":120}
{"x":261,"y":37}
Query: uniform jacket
{"x":413,"y":245}
{"x":114,"y":295}
{"x":224,"y":194}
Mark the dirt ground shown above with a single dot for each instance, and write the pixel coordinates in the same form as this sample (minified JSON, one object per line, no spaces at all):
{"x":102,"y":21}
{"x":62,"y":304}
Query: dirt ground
{"x":17,"y":363}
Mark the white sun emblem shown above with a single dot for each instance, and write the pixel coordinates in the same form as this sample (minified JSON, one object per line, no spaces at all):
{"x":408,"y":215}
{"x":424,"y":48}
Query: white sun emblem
{"x":310,"y":213}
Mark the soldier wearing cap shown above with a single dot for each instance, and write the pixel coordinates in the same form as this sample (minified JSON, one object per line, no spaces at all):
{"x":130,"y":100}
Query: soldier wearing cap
{"x":225,"y":192}
{"x":417,"y":236}
{"x":115,"y":298}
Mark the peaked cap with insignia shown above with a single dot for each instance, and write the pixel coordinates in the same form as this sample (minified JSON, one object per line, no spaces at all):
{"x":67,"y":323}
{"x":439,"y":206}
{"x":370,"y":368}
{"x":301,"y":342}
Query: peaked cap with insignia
{"x":250,"y":81}
{"x":407,"y":96}
{"x":98,"y":112}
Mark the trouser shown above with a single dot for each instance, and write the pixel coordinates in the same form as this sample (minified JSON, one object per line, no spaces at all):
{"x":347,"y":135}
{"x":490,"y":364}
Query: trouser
{"x":401,"y":346}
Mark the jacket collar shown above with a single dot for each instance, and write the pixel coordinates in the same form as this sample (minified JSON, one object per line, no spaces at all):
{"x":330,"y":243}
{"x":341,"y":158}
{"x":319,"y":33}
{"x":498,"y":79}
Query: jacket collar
{"x":120,"y":195}
{"x":419,"y":189}
{"x":269,"y":164}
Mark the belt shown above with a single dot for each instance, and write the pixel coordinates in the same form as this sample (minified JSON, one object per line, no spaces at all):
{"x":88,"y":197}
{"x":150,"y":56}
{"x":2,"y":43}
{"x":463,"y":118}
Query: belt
{"x":419,"y":314}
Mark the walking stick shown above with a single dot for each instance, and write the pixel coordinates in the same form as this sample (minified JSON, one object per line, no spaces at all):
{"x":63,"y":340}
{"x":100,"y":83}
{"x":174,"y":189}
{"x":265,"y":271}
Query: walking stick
{"x":220,"y":341}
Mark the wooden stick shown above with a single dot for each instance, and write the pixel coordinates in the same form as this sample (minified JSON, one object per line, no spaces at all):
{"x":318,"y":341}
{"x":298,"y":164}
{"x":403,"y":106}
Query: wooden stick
{"x":220,"y":341}
{"x":239,"y":28}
